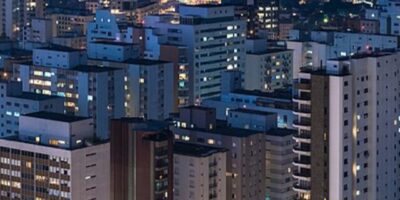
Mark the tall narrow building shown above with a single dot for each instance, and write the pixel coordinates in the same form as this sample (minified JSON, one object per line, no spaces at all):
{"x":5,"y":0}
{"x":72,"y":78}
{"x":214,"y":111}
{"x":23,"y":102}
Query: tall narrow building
{"x":141,"y":160}
{"x":348,"y":129}
{"x":215,"y":41}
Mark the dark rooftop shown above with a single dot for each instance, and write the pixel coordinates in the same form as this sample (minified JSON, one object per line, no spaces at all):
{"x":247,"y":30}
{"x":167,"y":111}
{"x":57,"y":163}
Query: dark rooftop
{"x":222,"y":129}
{"x":206,"y":5}
{"x":114,"y":43}
{"x":141,"y":124}
{"x":274,"y":50}
{"x":35,"y":96}
{"x":94,"y":68}
{"x":205,"y":108}
{"x":60,"y":48}
{"x":145,"y":62}
{"x":278,"y":94}
{"x":195,"y":150}
{"x":257,"y":112}
{"x":281,"y":132}
{"x":56,"y":116}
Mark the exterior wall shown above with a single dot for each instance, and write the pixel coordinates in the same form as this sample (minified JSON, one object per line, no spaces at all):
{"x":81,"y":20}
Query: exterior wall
{"x":178,"y":56}
{"x":62,"y":173}
{"x":279,"y":158}
{"x":77,"y":42}
{"x":63,"y":23}
{"x":205,"y":50}
{"x":319,"y":137}
{"x":90,"y":171}
{"x":250,"y":120}
{"x":13,"y":107}
{"x":233,"y":100}
{"x":99,"y":94}
{"x":43,"y":130}
{"x":268,"y":71}
{"x":151,"y":90}
{"x":139,"y":169}
{"x":113,"y":52}
{"x":248,"y":183}
{"x":200,"y":177}
{"x":58,"y":59}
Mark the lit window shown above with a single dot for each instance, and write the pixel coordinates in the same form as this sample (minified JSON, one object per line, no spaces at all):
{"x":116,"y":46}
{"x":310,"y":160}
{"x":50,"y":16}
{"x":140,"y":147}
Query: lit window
{"x":211,"y":141}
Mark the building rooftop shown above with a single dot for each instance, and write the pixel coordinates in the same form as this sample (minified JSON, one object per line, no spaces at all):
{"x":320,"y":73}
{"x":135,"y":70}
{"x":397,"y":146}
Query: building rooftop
{"x":281,"y":132}
{"x":145,"y":62}
{"x":205,"y":5}
{"x":366,"y":55}
{"x":114,"y":43}
{"x":278,"y":94}
{"x":249,"y":111}
{"x":268,"y":51}
{"x":223,"y":129}
{"x":56,"y":116}
{"x":35,"y":96}
{"x":16,"y":53}
{"x":195,"y":150}
{"x":94,"y":68}
{"x":159,"y":137}
{"x":141,"y":124}
{"x":60,"y":48}
{"x":193,"y":107}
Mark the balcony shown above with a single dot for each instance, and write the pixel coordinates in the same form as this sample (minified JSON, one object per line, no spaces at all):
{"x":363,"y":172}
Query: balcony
{"x":304,"y":162}
{"x":304,"y":112}
{"x":302,"y":84}
{"x":302,"y":124}
{"x":303,"y":137}
{"x":302,"y":150}
{"x":302,"y":99}
{"x":301,"y":188}
{"x":302,"y":175}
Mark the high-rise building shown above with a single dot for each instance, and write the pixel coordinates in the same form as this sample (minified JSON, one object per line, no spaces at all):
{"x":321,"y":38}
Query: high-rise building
{"x":15,"y":14}
{"x":199,"y":172}
{"x":54,"y":156}
{"x":215,"y":40}
{"x":69,"y":21}
{"x":279,"y":156}
{"x":141,"y":159}
{"x":14,"y":103}
{"x":150,"y":89}
{"x":267,"y":69}
{"x":348,"y":129}
{"x":246,"y":156}
{"x":89,"y":90}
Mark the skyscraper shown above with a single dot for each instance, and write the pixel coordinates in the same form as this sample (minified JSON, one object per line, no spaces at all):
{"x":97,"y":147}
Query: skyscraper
{"x":215,"y":40}
{"x":348,"y":129}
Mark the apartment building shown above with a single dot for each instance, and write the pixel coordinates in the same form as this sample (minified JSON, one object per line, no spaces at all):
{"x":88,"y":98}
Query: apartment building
{"x":267,"y":69}
{"x":141,"y":159}
{"x":54,"y":156}
{"x":199,"y":172}
{"x":215,"y":40}
{"x":246,"y":156}
{"x":14,"y":103}
{"x":89,"y":90}
{"x":347,"y":122}
{"x":316,"y":47}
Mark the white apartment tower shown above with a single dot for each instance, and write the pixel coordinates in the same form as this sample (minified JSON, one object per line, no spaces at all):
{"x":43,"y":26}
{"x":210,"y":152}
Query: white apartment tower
{"x":215,"y":40}
{"x":348,"y":129}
